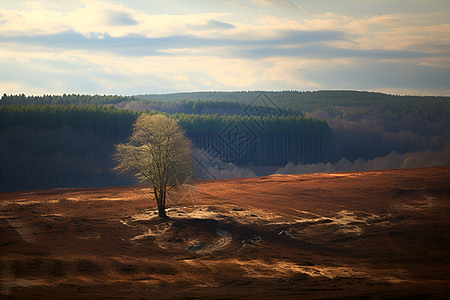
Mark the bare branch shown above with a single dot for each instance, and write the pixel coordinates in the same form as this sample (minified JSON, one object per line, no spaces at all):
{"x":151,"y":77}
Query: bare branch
{"x":158,"y":153}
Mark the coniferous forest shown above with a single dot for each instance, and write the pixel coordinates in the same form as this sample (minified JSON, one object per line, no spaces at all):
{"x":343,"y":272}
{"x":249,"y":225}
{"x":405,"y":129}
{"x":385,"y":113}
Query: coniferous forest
{"x":68,"y":140}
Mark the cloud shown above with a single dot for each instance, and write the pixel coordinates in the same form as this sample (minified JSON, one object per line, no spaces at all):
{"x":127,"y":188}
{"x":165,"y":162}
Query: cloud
{"x":321,"y":51}
{"x":103,"y":17}
{"x":286,"y":4}
{"x":144,"y":46}
{"x":38,"y":76}
{"x":372,"y":74}
{"x":119,"y":18}
{"x":220,"y":25}
{"x":271,"y":46}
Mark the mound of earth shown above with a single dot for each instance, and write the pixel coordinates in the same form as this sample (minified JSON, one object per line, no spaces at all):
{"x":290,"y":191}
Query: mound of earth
{"x":382,"y":234}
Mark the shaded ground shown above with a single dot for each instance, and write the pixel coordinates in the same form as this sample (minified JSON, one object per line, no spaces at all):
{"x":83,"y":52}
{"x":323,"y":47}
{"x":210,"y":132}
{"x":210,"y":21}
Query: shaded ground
{"x":379,"y":234}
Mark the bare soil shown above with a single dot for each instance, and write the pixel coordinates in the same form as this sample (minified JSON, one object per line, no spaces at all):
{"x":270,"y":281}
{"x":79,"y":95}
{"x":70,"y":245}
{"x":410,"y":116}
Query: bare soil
{"x":379,"y":234}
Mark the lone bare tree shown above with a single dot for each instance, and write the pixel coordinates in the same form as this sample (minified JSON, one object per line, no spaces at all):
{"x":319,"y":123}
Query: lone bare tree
{"x":158,"y":153}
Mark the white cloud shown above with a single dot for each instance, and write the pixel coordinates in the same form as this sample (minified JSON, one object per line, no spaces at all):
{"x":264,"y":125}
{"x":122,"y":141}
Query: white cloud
{"x":276,"y":3}
{"x":100,"y":17}
{"x":120,"y":47}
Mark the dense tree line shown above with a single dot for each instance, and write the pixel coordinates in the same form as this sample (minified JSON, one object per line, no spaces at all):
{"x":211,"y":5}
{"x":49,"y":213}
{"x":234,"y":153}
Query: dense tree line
{"x":70,"y":99}
{"x":53,"y":146}
{"x":201,"y":107}
{"x":260,"y":140}
{"x":311,"y":101}
{"x":82,"y":116}
{"x":137,"y":104}
{"x":75,"y":133}
{"x":335,"y":103}
{"x":58,"y":146}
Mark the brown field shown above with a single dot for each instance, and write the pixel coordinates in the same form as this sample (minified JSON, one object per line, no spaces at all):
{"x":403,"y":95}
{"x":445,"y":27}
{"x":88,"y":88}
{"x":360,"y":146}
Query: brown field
{"x":378,"y":234}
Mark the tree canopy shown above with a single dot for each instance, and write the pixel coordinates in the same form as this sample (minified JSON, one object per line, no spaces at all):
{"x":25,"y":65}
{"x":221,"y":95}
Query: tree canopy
{"x":158,"y":153}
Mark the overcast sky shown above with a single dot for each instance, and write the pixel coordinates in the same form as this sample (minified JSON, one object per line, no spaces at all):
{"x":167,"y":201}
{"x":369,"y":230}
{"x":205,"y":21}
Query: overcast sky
{"x":145,"y":46}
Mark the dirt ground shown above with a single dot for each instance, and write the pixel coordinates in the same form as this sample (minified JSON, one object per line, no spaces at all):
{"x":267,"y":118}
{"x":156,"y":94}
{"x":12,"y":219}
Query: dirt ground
{"x":381,"y":234}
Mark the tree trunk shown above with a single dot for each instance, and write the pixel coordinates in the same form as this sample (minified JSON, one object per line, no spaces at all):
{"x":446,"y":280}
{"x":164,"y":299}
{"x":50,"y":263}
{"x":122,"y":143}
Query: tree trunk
{"x":161,"y":203}
{"x":162,"y":212}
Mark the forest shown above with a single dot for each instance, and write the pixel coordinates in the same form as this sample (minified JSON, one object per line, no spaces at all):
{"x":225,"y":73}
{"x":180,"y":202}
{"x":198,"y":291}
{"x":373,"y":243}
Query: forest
{"x":72,"y":145}
{"x":68,"y":140}
{"x":290,"y":102}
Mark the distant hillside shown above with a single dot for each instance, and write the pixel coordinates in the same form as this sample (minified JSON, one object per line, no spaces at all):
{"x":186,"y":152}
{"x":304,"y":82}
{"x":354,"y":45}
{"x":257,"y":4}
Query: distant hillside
{"x":235,"y":103}
{"x":67,"y":140}
{"x":313,"y":100}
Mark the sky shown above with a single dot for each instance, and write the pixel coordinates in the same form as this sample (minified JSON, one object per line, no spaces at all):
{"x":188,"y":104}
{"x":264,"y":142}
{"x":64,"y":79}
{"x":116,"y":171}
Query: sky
{"x":145,"y":46}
